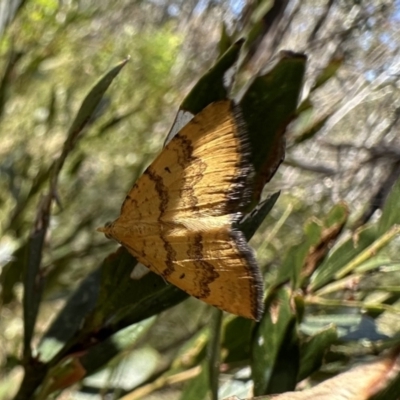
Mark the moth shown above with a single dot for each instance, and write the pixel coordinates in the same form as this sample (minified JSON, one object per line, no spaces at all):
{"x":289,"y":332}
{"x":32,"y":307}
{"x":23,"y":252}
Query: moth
{"x":179,"y":218}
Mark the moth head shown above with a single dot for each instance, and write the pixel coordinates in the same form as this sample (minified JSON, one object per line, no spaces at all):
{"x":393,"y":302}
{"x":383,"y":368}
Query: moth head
{"x":106,"y":229}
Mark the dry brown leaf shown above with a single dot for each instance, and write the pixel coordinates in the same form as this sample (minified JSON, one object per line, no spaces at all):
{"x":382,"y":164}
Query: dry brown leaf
{"x":359,"y":383}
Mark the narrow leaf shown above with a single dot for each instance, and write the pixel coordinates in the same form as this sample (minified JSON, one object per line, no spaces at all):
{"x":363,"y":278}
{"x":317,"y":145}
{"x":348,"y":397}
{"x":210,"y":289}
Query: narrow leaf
{"x":213,"y":351}
{"x":70,"y":319}
{"x":313,"y":351}
{"x":275,"y":334}
{"x":92,"y":100}
{"x":85,"y":112}
{"x":210,"y":87}
{"x":391,"y":211}
{"x":33,"y":282}
{"x":342,"y":255}
{"x":198,"y":387}
{"x":332,"y":227}
{"x":252,"y":221}
{"x":328,"y":72}
{"x":268,"y":105}
{"x":102,"y":353}
{"x":235,"y":345}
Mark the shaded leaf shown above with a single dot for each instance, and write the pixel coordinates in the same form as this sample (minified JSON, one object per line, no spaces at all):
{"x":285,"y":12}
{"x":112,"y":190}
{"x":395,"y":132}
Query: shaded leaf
{"x":236,"y":340}
{"x":391,"y":211}
{"x":198,"y":387}
{"x":124,"y":301}
{"x":332,"y":227}
{"x":369,"y":252}
{"x":312,"y":352}
{"x":7,"y":77}
{"x":341,"y":255}
{"x":252,"y":221}
{"x":213,"y":350}
{"x":100,"y":354}
{"x":33,"y":282}
{"x":296,"y":257}
{"x":268,"y":105}
{"x":126,"y":372}
{"x":225,"y":41}
{"x":70,"y":319}
{"x":210,"y":87}
{"x":275,"y":355}
{"x":68,"y":372}
{"x":11,"y":273}
{"x":106,"y":302}
{"x":286,"y":368}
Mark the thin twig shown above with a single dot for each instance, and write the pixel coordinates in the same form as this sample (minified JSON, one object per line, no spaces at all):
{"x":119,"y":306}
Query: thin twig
{"x":161,"y":382}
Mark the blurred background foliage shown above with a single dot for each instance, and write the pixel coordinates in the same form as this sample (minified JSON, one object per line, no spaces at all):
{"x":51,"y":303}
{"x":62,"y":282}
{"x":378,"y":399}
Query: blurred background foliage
{"x":342,"y":303}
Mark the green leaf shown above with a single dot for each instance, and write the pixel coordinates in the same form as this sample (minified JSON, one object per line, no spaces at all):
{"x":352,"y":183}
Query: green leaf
{"x":252,"y":221}
{"x":296,"y":257}
{"x":391,"y":211}
{"x":115,"y":278}
{"x":23,"y":202}
{"x":126,"y":372}
{"x":198,"y":387}
{"x":256,"y":28}
{"x":91,"y":101}
{"x":275,"y":353}
{"x":312,"y":352}
{"x":342,"y":255}
{"x":100,"y":354}
{"x":369,"y":252}
{"x":213,"y":350}
{"x":210,"y":86}
{"x":337,"y":215}
{"x":348,"y":327}
{"x":225,"y":41}
{"x":268,"y":105}
{"x":237,"y":339}
{"x":328,"y":72}
{"x":309,"y":132}
{"x":7,"y":77}
{"x":84,"y":114}
{"x":33,"y":282}
{"x":123,"y":300}
{"x":286,"y":368}
{"x":323,"y":236}
{"x":11,"y":273}
{"x":71,"y":318}
{"x":263,"y":8}
{"x":106,"y":302}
